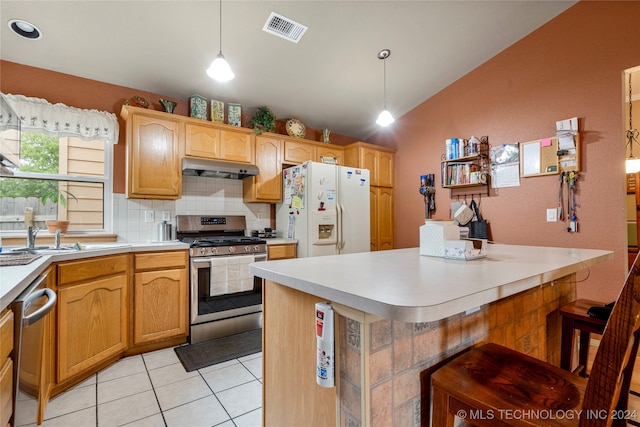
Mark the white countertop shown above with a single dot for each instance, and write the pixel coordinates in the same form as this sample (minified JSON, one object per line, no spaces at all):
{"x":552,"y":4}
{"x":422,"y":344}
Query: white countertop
{"x":403,"y":285}
{"x":280,"y":241}
{"x":13,"y":280}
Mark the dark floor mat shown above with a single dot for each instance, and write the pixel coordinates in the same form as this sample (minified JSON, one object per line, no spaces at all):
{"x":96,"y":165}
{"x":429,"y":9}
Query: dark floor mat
{"x":203,"y":354}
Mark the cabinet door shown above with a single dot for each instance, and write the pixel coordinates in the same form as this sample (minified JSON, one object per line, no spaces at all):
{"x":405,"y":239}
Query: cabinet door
{"x":202,"y":141}
{"x":328,"y":151}
{"x":369,"y":160}
{"x":385,"y":169}
{"x":267,"y":185}
{"x":373,"y":213}
{"x":92,"y":323}
{"x":160,"y":305}
{"x":385,"y":210}
{"x":154,"y":169}
{"x":298,"y":152}
{"x":281,"y":251}
{"x":236,"y":146}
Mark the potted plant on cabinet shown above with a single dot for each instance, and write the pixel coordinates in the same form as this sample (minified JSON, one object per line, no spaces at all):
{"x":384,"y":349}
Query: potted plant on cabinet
{"x":56,"y":196}
{"x":263,"y":120}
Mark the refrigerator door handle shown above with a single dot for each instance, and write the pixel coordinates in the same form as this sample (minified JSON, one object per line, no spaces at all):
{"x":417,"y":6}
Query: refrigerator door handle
{"x":340,"y":244}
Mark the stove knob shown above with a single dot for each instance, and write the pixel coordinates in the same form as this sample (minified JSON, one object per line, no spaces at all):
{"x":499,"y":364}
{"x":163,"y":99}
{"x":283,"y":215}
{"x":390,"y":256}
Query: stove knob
{"x":202,"y":251}
{"x":256,"y":248}
{"x":214,"y":251}
{"x":247,"y":248}
{"x":232,"y":249}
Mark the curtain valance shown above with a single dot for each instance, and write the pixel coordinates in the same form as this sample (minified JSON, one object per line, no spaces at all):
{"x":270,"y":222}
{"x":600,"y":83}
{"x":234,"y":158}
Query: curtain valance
{"x":57,"y":120}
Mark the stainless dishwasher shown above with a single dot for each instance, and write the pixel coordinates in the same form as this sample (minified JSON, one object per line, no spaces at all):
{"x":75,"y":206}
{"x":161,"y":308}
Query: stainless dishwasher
{"x":29,"y":310}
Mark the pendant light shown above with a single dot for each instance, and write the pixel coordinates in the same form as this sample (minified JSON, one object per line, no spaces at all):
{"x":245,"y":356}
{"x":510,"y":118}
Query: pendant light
{"x":220,"y":69}
{"x":385,"y":118}
{"x":632,"y":163}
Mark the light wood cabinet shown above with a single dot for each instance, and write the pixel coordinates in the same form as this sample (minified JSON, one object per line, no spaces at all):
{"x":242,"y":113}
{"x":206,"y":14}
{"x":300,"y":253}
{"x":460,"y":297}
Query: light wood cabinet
{"x":379,"y":161}
{"x":329,"y":151}
{"x":153,"y":155}
{"x":92,"y":317}
{"x":202,"y":141}
{"x":382,"y":219}
{"x":296,"y":152}
{"x":6,"y":365}
{"x":281,"y":251}
{"x":160,"y":296}
{"x":214,"y":141}
{"x":267,"y":185}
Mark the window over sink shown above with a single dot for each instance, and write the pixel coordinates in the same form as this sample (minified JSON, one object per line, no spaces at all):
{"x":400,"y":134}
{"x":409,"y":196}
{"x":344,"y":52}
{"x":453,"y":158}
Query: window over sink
{"x":59,"y":151}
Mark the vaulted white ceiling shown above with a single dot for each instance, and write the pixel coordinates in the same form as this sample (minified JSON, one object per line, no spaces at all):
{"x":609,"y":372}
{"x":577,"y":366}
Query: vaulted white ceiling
{"x":331,"y":79}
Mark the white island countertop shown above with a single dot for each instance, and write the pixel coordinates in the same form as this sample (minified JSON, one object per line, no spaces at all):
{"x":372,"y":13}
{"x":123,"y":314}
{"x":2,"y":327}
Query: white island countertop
{"x":402,"y":285}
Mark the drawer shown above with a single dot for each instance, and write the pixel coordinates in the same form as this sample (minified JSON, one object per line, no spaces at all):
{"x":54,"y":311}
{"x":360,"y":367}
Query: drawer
{"x":155,"y":260}
{"x":92,"y":268}
{"x":6,"y":391}
{"x":281,"y":251}
{"x":6,"y":334}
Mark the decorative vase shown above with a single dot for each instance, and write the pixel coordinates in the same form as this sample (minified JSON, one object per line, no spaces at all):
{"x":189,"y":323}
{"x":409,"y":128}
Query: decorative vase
{"x":52,"y":226}
{"x":325,"y":136}
{"x":167,"y":106}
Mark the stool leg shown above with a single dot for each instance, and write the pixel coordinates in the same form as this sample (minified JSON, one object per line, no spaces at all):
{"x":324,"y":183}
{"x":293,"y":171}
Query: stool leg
{"x":566,"y":345}
{"x":583,"y":355}
{"x":441,"y":415}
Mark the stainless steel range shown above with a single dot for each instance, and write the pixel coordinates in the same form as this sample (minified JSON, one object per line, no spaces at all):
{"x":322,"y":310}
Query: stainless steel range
{"x":225,"y":298}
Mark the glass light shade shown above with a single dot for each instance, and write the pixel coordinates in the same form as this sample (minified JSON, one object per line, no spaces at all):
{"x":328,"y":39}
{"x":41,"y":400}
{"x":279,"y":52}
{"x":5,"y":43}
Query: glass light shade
{"x":220,"y":69}
{"x":385,"y":118}
{"x":632,"y":165}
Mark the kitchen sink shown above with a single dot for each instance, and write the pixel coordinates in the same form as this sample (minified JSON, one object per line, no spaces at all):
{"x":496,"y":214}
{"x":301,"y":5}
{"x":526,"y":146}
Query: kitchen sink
{"x":51,"y":250}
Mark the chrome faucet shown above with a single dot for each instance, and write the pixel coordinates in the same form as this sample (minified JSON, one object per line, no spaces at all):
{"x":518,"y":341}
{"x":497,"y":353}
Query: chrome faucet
{"x":31,"y":237}
{"x":57,"y":238}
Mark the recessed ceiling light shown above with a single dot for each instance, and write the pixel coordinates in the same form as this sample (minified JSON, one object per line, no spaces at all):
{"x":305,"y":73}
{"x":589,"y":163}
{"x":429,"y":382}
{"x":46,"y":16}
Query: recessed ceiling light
{"x":25,"y":29}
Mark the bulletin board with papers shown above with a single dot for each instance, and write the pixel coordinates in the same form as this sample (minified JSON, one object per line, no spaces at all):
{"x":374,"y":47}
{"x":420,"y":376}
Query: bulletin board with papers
{"x":553,"y":155}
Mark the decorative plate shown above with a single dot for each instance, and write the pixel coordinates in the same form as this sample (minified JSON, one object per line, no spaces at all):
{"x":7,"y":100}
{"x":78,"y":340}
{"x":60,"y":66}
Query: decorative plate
{"x":296,"y":128}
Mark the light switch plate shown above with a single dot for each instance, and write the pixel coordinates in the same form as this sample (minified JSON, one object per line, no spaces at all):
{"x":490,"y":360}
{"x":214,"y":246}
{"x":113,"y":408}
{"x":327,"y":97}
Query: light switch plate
{"x":166,"y":216}
{"x":148,"y":216}
{"x":552,"y":215}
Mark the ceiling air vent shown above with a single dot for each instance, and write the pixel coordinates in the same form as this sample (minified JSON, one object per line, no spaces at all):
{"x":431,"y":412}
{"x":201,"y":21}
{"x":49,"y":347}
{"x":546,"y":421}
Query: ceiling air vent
{"x":286,"y":28}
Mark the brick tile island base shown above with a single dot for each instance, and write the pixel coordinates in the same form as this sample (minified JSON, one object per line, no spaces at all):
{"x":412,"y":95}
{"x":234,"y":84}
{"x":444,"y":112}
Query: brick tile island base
{"x":382,"y":346}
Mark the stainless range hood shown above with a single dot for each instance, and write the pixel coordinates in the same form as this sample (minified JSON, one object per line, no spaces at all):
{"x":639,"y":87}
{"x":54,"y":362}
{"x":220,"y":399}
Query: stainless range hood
{"x":218,"y":168}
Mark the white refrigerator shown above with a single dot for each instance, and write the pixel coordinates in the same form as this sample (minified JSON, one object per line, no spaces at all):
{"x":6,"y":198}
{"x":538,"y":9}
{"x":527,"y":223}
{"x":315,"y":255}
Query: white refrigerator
{"x":326,"y":208}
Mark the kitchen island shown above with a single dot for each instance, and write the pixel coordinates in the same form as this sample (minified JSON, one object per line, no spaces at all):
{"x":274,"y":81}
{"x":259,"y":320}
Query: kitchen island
{"x":397,"y":314}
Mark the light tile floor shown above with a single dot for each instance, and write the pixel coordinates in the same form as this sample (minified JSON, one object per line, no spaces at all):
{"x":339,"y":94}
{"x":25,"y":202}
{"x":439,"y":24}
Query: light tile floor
{"x":153,"y":389}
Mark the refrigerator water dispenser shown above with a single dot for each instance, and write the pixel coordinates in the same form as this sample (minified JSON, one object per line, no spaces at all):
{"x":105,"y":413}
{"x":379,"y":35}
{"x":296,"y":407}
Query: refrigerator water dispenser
{"x":324,"y":228}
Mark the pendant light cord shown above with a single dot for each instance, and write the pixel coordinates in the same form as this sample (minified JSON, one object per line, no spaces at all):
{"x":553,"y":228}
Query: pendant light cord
{"x":384,"y":68}
{"x":220,"y":26}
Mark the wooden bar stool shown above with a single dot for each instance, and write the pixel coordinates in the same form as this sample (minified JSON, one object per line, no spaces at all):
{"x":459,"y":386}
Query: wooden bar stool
{"x":491,"y":385}
{"x":574,"y":316}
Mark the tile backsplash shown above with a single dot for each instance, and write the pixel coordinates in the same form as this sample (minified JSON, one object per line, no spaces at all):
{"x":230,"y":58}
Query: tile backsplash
{"x":200,"y":196}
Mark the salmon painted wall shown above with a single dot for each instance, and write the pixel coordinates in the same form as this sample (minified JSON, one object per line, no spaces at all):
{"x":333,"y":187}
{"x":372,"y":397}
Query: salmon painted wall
{"x":571,"y":66}
{"x":91,"y":94}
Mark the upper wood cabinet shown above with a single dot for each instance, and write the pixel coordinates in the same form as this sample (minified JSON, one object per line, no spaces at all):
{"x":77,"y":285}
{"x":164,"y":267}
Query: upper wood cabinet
{"x":298,"y":152}
{"x":212,"y":141}
{"x":153,"y":154}
{"x":379,"y":161}
{"x":330,"y":151}
{"x":266,"y":187}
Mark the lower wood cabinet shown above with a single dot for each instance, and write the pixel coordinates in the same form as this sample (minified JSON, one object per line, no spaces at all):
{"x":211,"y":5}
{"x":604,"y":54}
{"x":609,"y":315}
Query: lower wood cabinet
{"x":382,"y":214}
{"x":6,"y":365}
{"x":281,"y":251}
{"x":92,"y":315}
{"x":160,"y":296}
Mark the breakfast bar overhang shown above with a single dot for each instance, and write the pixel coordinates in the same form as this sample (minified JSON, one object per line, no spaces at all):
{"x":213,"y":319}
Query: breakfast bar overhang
{"x":397,"y":314}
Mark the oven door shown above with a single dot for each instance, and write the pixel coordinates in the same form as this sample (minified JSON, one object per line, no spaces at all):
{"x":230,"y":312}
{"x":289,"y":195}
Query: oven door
{"x":221,"y":287}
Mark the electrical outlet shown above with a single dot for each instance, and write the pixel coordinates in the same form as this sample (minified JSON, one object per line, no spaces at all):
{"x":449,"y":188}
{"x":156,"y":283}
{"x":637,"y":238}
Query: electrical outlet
{"x":166,"y":216}
{"x":148,"y":216}
{"x":552,"y":215}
